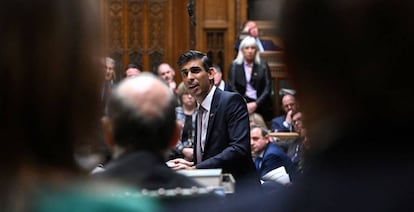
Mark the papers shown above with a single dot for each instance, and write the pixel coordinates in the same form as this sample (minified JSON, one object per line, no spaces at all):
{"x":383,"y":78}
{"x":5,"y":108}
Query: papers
{"x":206,"y":177}
{"x":278,"y":175}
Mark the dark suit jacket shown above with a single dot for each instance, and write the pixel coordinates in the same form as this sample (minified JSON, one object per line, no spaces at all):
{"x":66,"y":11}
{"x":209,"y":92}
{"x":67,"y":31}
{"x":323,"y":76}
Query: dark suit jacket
{"x":274,"y":157}
{"x":268,"y":45}
{"x":261,"y":81}
{"x":144,"y":170}
{"x":227,"y":143}
{"x":277,"y":124}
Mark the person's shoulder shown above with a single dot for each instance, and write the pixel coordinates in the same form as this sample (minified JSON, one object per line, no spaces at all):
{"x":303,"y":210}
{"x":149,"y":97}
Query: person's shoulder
{"x":278,"y":118}
{"x":230,"y":95}
{"x":94,"y":197}
{"x":275,"y":149}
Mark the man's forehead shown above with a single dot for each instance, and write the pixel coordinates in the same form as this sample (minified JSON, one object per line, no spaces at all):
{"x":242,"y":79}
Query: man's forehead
{"x":193,"y":63}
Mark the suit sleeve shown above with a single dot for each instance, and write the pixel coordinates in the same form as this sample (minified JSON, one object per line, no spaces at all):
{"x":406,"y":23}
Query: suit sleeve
{"x":277,"y":124}
{"x":231,"y":77}
{"x":271,"y":162}
{"x":267,"y":82}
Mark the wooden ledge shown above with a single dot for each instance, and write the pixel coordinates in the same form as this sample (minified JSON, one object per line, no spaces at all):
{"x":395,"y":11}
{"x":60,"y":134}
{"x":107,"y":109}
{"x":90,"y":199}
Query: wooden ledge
{"x":284,"y":135}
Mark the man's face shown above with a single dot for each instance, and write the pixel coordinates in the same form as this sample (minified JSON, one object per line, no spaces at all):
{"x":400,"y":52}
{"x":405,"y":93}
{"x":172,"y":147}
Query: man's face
{"x":254,"y":31}
{"x":257,"y":141}
{"x":197,"y":79}
{"x":217,"y":77}
{"x":289,"y":103}
{"x":109,"y":71}
{"x":166,"y":73}
{"x":297,"y":122}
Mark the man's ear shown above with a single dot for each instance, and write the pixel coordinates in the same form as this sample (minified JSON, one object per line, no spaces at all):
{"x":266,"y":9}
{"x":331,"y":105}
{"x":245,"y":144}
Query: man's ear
{"x":175,"y":136}
{"x":107,"y":131}
{"x":211,"y":72}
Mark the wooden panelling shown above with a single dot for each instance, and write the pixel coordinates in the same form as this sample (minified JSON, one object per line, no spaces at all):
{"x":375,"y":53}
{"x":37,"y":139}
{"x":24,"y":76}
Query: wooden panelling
{"x":142,"y":32}
{"x":215,"y":10}
{"x":279,"y":74}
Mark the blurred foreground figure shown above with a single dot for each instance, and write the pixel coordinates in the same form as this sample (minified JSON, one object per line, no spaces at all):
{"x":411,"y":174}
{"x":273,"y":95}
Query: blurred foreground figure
{"x":50,"y":103}
{"x":350,"y":61}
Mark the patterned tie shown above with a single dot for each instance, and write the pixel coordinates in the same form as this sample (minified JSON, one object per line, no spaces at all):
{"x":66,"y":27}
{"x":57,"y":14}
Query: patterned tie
{"x":201,"y":111}
{"x":257,"y":162}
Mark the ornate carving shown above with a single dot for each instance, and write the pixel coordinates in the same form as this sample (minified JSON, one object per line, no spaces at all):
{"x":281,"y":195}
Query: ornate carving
{"x":135,"y":31}
{"x":215,"y":46}
{"x":135,"y":15}
{"x":115,"y":29}
{"x":156,"y":25}
{"x":157,"y":28}
{"x":192,"y":5}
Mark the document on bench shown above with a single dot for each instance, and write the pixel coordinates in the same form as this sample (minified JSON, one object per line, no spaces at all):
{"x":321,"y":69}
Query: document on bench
{"x":278,"y":175}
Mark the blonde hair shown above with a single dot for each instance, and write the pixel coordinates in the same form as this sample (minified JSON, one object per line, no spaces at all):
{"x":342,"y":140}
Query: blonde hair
{"x":257,"y":119}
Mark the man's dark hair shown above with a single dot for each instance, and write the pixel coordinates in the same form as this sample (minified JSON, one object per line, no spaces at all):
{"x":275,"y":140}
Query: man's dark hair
{"x":133,"y":65}
{"x":192,"y":55}
{"x":136,"y":130}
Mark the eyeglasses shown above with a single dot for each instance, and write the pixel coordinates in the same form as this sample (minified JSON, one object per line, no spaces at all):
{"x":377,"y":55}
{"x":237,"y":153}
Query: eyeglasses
{"x":193,"y":70}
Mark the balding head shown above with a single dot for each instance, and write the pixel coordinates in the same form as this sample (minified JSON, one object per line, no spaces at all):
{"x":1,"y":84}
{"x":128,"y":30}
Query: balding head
{"x":141,"y":112}
{"x":289,"y":103}
{"x":146,"y":93}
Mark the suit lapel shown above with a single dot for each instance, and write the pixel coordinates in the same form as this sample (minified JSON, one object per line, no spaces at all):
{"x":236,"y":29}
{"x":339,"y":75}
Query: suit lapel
{"x":241,"y":78}
{"x":212,"y":115}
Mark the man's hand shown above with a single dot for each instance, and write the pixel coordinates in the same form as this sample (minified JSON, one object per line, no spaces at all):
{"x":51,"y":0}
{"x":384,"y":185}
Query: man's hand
{"x":179,"y":163}
{"x":289,"y":117}
{"x":251,"y":107}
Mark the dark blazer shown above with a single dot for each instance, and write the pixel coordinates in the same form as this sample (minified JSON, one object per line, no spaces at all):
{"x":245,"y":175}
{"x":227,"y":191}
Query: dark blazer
{"x":227,"y":87}
{"x":261,"y":81}
{"x":268,"y":45}
{"x":274,"y":157}
{"x":227,"y":143}
{"x":144,"y":170}
{"x":277,"y":124}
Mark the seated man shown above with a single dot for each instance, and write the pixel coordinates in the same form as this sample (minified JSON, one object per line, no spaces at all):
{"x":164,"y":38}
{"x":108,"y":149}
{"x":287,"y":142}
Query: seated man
{"x":263,"y":44}
{"x":138,"y":110}
{"x":295,"y":148}
{"x":269,"y":156}
{"x":284,"y":122}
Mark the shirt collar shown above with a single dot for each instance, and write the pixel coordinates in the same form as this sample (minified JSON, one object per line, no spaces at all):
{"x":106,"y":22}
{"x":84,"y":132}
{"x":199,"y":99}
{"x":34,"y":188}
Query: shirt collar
{"x":209,"y":98}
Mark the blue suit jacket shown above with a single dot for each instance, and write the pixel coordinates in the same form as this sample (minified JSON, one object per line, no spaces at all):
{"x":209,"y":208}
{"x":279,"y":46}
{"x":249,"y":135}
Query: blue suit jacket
{"x":274,"y":157}
{"x":227,"y":143}
{"x":277,"y":124}
{"x":268,"y":45}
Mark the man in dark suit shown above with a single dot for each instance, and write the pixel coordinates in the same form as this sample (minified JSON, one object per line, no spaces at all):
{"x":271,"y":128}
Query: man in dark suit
{"x":223,"y":136}
{"x":138,"y":110}
{"x":250,"y":77}
{"x":218,"y":79}
{"x":269,"y":156}
{"x":263,"y":44}
{"x":284,"y":123}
